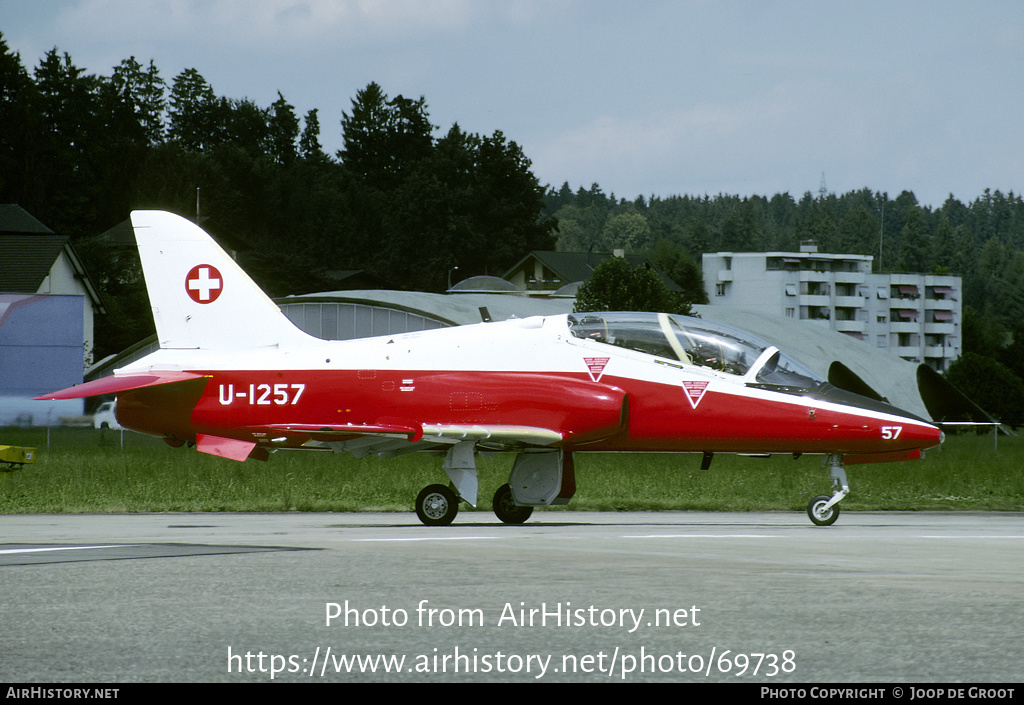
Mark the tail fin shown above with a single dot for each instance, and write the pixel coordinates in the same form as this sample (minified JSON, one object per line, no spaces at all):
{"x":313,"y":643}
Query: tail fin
{"x":201,"y":298}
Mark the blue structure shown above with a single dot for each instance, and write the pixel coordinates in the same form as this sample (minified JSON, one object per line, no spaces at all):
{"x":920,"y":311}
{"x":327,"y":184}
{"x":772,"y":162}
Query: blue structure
{"x":40,"y":350}
{"x":47,"y":304}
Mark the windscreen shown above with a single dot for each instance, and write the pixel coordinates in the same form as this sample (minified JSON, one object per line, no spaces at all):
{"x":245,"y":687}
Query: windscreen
{"x":693,"y":341}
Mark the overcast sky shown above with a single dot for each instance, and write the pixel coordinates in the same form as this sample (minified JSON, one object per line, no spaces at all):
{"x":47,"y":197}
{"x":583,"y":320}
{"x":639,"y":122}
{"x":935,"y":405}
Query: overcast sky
{"x":642,"y":97}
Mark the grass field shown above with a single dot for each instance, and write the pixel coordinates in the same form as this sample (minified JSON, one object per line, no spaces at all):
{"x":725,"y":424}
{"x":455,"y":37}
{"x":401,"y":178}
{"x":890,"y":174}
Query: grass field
{"x":84,"y":470}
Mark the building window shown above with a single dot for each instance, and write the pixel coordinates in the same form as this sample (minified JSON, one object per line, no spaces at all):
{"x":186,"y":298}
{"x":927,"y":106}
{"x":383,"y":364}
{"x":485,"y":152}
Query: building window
{"x":942,"y":293}
{"x":905,"y":291}
{"x":903,"y":315}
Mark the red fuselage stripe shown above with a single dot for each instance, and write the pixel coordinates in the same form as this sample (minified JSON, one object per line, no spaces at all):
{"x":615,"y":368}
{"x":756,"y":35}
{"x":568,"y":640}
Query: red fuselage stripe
{"x":615,"y":414}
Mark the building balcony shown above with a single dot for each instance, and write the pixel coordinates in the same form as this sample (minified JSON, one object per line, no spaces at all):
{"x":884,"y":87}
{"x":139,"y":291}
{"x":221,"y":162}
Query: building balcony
{"x":939,"y":328}
{"x":812,"y":300}
{"x":905,"y":327}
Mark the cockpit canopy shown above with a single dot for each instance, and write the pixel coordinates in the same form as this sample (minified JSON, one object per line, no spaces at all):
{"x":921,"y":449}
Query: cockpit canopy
{"x":694,"y":341}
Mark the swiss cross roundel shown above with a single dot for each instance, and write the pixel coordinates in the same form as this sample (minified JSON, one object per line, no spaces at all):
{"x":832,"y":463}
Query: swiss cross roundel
{"x":203,"y":284}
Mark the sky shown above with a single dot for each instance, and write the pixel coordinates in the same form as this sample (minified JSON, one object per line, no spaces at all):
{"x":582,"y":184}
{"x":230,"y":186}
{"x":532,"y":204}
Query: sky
{"x":642,"y":97}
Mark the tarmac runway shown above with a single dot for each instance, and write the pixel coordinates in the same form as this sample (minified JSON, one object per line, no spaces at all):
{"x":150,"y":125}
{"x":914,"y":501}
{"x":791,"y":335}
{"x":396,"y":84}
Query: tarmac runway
{"x":569,"y":596}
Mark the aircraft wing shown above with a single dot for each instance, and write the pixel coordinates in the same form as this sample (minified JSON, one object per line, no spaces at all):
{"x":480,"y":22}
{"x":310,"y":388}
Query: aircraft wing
{"x":525,"y":435}
{"x":386,"y":438}
{"x":366,"y":439}
{"x":120,"y":383}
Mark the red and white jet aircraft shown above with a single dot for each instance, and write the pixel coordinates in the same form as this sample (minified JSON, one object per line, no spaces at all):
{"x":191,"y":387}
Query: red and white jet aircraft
{"x":236,"y":378}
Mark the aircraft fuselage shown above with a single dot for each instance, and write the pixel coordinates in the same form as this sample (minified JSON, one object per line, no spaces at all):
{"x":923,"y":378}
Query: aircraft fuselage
{"x":596,"y":396}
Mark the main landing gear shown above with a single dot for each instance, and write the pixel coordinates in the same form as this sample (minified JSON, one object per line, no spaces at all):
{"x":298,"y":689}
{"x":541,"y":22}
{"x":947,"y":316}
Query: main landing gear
{"x":823,"y":509}
{"x":438,"y":505}
{"x":540,"y":479}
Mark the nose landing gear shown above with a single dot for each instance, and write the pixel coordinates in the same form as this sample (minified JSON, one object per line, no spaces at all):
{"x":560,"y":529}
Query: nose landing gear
{"x":822,"y":509}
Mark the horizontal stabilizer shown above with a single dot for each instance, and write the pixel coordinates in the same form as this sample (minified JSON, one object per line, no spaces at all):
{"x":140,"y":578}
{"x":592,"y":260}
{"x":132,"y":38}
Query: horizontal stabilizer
{"x":229,"y":448}
{"x":120,"y":383}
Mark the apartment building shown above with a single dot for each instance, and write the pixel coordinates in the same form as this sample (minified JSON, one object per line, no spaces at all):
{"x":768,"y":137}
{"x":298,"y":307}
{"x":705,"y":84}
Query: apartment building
{"x":915,"y":316}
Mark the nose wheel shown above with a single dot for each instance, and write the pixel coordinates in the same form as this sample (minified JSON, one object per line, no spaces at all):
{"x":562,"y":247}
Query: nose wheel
{"x":823,"y":509}
{"x":437,"y":505}
{"x":820,"y":512}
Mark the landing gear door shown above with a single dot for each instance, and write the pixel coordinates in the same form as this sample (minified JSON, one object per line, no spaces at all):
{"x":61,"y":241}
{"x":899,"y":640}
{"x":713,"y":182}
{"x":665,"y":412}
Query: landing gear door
{"x":542,"y":479}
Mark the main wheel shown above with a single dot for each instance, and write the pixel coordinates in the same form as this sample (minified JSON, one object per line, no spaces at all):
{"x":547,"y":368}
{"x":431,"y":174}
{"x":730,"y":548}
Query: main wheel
{"x":818,"y":514}
{"x":437,"y":505}
{"x":506,"y":509}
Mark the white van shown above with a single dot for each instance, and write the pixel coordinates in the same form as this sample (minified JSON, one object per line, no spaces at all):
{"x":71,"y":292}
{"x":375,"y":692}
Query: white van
{"x":105,"y":417}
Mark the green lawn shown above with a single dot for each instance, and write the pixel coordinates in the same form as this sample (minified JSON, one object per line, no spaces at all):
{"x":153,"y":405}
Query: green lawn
{"x":84,"y":470}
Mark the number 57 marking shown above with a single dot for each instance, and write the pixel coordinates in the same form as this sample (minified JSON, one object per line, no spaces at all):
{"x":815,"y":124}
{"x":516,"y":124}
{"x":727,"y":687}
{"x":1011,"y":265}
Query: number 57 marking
{"x":891,"y":433}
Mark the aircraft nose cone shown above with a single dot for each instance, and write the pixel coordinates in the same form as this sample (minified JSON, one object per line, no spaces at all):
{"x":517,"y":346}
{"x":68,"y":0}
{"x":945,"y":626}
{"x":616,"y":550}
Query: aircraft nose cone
{"x":916,"y":433}
{"x":928,"y":435}
{"x":830,"y":393}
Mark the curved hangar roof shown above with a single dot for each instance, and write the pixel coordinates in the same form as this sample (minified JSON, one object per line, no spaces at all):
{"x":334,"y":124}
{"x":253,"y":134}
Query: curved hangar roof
{"x":363,"y":313}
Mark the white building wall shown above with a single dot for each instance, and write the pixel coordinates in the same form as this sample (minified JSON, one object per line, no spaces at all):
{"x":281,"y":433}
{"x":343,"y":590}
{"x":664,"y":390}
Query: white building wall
{"x":915,"y":316}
